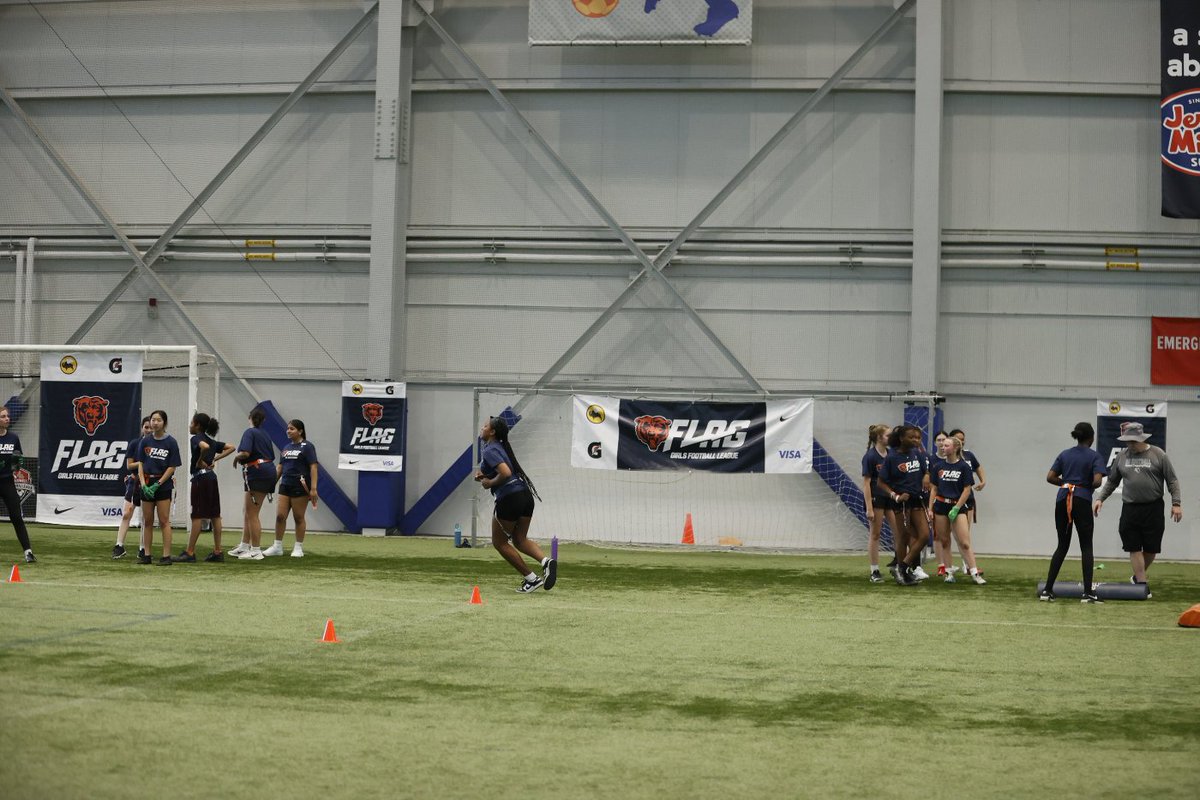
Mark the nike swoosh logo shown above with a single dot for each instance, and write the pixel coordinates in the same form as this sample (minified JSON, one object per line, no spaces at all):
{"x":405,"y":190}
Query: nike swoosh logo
{"x":351,"y":461}
{"x":58,"y":510}
{"x":786,"y":417}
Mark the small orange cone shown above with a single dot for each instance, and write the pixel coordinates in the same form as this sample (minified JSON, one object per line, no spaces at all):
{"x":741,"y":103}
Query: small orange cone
{"x":15,"y":575}
{"x":330,"y":634}
{"x":476,"y":600}
{"x":1188,"y":619}
{"x":689,"y":536}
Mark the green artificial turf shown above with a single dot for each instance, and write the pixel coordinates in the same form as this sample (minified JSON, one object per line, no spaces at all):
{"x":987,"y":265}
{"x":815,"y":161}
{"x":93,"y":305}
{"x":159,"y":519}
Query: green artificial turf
{"x":644,"y":674}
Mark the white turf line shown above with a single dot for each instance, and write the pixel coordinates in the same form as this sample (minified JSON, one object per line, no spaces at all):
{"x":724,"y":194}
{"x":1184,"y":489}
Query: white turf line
{"x":433,"y":601}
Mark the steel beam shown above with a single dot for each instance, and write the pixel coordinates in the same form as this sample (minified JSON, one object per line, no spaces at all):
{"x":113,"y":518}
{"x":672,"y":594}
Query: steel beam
{"x":925,"y":295}
{"x":648,"y":266}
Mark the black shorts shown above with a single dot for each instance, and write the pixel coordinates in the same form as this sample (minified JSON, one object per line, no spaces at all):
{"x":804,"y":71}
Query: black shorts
{"x":941,"y":509}
{"x":133,"y":491}
{"x":513,"y":507}
{"x":1142,"y":526}
{"x":163,"y":492}
{"x":292,"y":490}
{"x":913,"y":501}
{"x":262,"y":485}
{"x":882,"y":502}
{"x":206,"y":497}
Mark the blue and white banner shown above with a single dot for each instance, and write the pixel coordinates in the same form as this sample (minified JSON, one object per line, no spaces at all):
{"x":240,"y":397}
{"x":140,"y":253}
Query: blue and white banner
{"x":774,"y":436}
{"x":373,"y":424}
{"x":608,"y":22}
{"x":1110,"y":414}
{"x":91,"y":408}
{"x":1179,"y":130}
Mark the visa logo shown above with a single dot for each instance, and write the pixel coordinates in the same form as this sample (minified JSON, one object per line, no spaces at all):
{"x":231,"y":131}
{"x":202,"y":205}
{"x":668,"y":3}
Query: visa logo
{"x":110,"y":511}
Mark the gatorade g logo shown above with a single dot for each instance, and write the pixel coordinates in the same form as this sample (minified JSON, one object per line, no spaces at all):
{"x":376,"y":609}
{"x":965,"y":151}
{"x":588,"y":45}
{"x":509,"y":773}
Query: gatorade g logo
{"x":372,"y":412}
{"x":90,"y":413}
{"x":594,"y":450}
{"x":595,"y":414}
{"x":652,"y":431}
{"x":356,"y":389}
{"x":68,"y":365}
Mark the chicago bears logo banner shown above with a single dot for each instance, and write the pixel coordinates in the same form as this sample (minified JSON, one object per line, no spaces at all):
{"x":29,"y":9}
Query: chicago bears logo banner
{"x":570,"y":22}
{"x":1180,"y":129}
{"x":91,"y":408}
{"x":1111,"y":414}
{"x":373,"y":425}
{"x":775,"y":436}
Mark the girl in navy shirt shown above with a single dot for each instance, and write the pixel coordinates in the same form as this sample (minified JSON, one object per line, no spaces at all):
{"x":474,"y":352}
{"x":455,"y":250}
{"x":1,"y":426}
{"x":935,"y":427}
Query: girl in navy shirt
{"x":133,"y":492}
{"x":206,"y":493}
{"x":952,"y":477}
{"x":904,"y":478}
{"x":878,"y":504}
{"x":158,"y":458}
{"x":500,"y":472}
{"x":12,"y":459}
{"x":297,"y":473}
{"x":256,"y":454}
{"x":1077,"y":470}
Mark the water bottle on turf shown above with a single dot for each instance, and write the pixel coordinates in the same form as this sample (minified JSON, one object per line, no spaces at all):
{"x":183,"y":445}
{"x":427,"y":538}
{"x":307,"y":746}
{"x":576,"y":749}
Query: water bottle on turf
{"x":457,"y":535}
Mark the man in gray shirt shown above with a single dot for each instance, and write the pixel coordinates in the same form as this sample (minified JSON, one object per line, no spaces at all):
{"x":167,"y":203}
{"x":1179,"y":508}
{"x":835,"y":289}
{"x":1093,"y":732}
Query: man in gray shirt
{"x":1144,"y":469}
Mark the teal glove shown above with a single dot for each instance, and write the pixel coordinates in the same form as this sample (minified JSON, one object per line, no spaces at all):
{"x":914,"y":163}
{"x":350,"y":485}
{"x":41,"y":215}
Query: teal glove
{"x":953,"y":513}
{"x":149,"y":491}
{"x":20,"y":462}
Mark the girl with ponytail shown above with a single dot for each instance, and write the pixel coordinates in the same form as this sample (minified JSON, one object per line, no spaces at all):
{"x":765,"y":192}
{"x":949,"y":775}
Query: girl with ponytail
{"x":501,"y":472}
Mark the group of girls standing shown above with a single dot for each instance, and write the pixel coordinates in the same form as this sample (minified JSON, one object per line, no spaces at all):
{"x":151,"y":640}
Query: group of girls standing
{"x":152,"y":462}
{"x":903,"y":486}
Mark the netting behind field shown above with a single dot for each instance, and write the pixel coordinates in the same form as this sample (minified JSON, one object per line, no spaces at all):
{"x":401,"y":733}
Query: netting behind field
{"x":165,"y":379}
{"x":822,"y":510}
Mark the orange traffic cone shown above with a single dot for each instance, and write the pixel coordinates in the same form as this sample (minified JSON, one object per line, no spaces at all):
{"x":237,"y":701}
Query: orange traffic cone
{"x":1188,"y":619}
{"x":15,"y":575}
{"x":689,"y":536}
{"x":330,"y":634}
{"x":476,"y":600}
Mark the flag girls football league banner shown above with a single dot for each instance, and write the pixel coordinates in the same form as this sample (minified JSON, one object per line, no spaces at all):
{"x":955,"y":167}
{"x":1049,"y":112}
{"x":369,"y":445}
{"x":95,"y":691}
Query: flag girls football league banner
{"x":1110,"y":414}
{"x":373,"y":423}
{"x":775,"y":436}
{"x":570,"y":22}
{"x":1180,"y":106}
{"x":91,"y":409}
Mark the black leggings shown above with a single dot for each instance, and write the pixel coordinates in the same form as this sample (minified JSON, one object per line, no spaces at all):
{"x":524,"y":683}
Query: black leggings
{"x":8,"y":493}
{"x":1081,"y":517}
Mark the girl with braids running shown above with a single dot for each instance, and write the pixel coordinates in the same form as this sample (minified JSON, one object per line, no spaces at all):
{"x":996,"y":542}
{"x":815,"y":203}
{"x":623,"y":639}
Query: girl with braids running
{"x":500,"y":472}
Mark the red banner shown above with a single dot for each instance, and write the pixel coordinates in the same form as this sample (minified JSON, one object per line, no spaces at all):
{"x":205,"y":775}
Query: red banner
{"x":1174,"y":351}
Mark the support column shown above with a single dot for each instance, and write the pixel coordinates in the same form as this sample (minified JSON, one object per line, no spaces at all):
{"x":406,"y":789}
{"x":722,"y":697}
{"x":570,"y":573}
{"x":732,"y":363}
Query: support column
{"x":381,"y":494}
{"x":927,"y":199}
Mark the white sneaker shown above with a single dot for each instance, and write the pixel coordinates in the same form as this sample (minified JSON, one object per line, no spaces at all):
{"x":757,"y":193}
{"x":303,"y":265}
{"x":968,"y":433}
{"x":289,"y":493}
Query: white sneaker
{"x":237,"y":551}
{"x":297,"y":552}
{"x":920,"y":574}
{"x":253,"y":554}
{"x":274,"y":550}
{"x":977,"y":576}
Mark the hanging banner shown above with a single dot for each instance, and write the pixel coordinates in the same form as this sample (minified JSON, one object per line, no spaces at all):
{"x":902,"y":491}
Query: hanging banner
{"x":373,"y":418}
{"x":1180,"y":106}
{"x":91,"y":408}
{"x":608,"y":22}
{"x":610,"y":433}
{"x":1111,"y":413}
{"x":1175,"y":351}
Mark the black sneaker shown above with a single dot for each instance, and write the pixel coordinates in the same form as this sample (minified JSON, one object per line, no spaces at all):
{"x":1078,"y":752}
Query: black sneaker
{"x":30,"y":558}
{"x":551,"y":576}
{"x":1090,"y":598}
{"x":185,"y":558}
{"x":118,"y":551}
{"x":1047,"y":597}
{"x":215,"y":557}
{"x":876,"y":577}
{"x":165,"y":561}
{"x":143,"y":558}
{"x":529,"y":586}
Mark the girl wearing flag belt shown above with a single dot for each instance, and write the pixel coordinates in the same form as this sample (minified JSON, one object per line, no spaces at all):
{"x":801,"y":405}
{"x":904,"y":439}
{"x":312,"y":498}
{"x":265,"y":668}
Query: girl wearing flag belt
{"x":12,"y":459}
{"x":133,"y":492}
{"x":500,"y":472}
{"x":206,"y":493}
{"x":1077,"y":470}
{"x":297,"y":473}
{"x":878,"y":504}
{"x":256,"y":454}
{"x":904,"y":477}
{"x":952,"y":478}
{"x":158,"y":458}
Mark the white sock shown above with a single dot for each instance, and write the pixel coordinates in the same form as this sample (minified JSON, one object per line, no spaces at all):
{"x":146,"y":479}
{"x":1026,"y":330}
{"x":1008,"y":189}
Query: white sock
{"x":531,"y":577}
{"x":874,"y":568}
{"x":298,"y":546}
